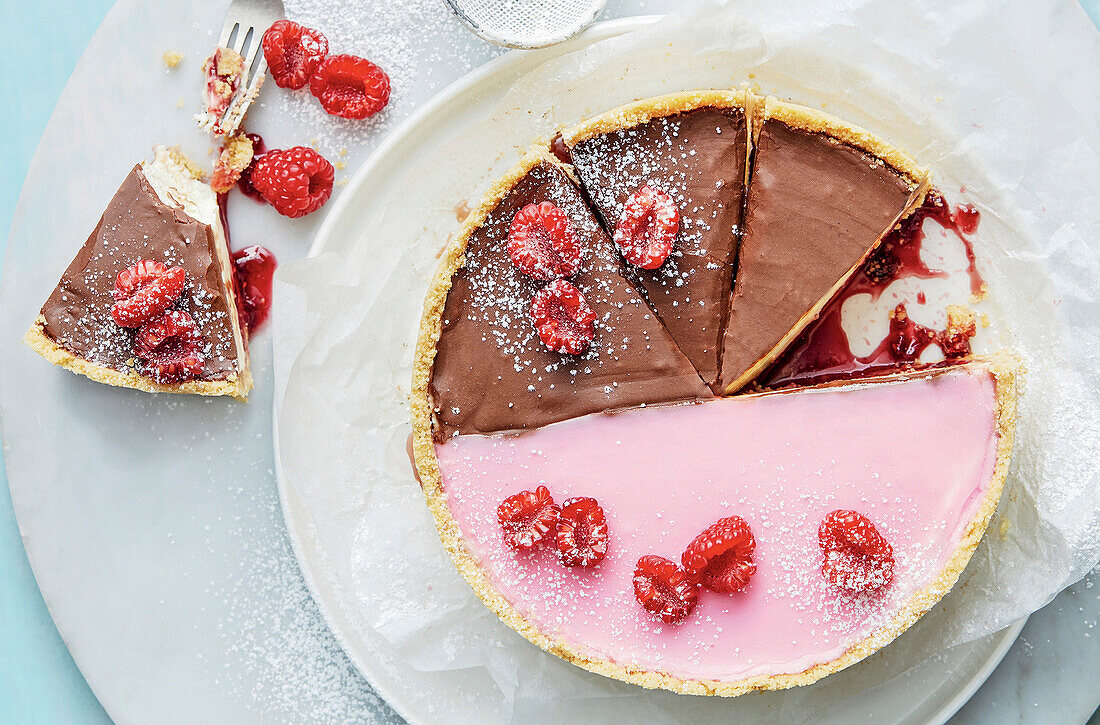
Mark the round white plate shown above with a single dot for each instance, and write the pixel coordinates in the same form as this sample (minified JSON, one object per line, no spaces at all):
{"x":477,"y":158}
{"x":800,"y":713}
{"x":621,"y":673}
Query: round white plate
{"x":930,"y":692}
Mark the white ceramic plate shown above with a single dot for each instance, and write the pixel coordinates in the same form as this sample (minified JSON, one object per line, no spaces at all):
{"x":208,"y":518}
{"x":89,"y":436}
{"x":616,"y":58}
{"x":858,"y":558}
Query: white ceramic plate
{"x":929,"y":693}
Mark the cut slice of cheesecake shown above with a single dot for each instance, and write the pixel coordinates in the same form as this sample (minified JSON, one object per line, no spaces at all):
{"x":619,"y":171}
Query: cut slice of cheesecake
{"x":823,"y":194}
{"x":693,"y":147}
{"x":481,"y":366}
{"x":163,"y":213}
{"x":923,"y":455}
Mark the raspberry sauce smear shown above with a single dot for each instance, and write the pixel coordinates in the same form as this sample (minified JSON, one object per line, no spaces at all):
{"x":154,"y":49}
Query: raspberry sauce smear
{"x":254,"y":269}
{"x":821,"y":353}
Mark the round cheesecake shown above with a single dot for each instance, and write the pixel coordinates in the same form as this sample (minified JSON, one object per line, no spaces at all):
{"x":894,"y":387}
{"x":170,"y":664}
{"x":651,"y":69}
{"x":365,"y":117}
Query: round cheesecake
{"x":777,"y":207}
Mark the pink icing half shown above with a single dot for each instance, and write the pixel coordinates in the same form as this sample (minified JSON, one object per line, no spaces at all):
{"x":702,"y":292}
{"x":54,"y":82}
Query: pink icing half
{"x":915,"y":456}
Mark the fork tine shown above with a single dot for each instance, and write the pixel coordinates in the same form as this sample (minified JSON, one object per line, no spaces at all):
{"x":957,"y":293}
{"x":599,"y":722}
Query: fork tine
{"x":245,"y":23}
{"x":227,"y":32}
{"x":253,"y":47}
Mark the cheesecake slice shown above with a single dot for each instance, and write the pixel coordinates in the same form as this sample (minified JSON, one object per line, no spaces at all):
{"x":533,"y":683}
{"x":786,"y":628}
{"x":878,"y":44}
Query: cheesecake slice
{"x":481,"y":365}
{"x":923,"y":455}
{"x":823,"y":194}
{"x":694,"y":148}
{"x":148,"y":302}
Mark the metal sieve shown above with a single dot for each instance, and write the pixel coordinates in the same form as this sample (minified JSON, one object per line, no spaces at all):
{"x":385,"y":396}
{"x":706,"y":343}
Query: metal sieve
{"x":526,"y":23}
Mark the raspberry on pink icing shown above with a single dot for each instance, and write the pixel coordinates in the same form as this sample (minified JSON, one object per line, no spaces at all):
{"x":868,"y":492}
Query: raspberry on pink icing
{"x":914,"y":456}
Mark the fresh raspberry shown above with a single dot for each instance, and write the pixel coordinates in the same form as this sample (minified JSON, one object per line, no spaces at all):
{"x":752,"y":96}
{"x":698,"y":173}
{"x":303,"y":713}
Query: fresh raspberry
{"x":542,"y":242}
{"x":582,"y":532}
{"x":144,"y":291}
{"x":857,"y":557}
{"x":564,"y":320}
{"x":664,"y":589}
{"x":528,"y":517}
{"x":296,"y":181}
{"x":349,"y":86}
{"x":293,"y":52}
{"x":169,"y":348}
{"x":720,"y":558}
{"x":647,"y":227}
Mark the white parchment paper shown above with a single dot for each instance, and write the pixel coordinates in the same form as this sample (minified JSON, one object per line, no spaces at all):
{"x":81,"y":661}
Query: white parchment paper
{"x":1002,"y":103}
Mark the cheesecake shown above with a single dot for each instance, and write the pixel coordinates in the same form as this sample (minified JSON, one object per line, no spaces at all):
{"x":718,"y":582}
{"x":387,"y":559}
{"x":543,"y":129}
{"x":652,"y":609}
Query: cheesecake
{"x":593,"y":428}
{"x":694,"y":148}
{"x":149,"y":300}
{"x":485,"y":368}
{"x":823,"y":195}
{"x":922,"y":454}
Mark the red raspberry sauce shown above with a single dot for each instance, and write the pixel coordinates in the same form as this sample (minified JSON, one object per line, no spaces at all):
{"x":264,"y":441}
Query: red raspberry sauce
{"x":821,"y":352}
{"x":255,"y":267}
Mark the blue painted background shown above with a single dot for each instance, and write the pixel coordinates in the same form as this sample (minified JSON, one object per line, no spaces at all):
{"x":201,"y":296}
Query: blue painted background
{"x":40,"y":43}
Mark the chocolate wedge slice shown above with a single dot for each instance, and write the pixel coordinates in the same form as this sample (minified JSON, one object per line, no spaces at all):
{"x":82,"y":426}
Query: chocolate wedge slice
{"x":162,"y":212}
{"x":693,"y":147}
{"x":481,"y":366}
{"x":823,"y":194}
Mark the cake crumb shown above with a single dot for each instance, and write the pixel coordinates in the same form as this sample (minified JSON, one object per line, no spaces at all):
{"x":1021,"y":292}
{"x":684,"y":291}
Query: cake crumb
{"x":171,"y":58}
{"x":180,"y":158}
{"x":961,"y":321}
{"x":341,"y":164}
{"x":234,"y":158}
{"x":1002,"y":530}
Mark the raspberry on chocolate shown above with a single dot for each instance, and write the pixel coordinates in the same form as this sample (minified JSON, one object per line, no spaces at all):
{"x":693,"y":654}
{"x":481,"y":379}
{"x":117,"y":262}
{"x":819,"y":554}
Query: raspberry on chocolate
{"x":647,"y":227}
{"x":296,"y":181}
{"x":582,"y":532}
{"x":528,"y":517}
{"x":542,"y":243}
{"x":350,"y":86}
{"x":562,"y":317}
{"x":664,"y":589}
{"x":293,"y":52}
{"x":857,"y":557}
{"x":144,"y":291}
{"x":168,"y":348}
{"x":720,"y":558}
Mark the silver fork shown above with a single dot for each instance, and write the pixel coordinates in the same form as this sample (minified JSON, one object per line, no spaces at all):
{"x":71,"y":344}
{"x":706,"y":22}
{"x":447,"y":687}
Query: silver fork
{"x":245,"y":23}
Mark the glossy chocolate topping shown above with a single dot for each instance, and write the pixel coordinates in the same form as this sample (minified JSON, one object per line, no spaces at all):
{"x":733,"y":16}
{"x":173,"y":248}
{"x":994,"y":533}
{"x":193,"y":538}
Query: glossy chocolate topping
{"x":815,"y":208}
{"x":698,"y":158}
{"x":137,"y":225}
{"x":492,"y":373}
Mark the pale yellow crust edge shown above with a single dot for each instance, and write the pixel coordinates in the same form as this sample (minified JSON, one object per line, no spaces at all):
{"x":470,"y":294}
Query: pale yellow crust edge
{"x":632,"y":114}
{"x":237,"y":386}
{"x":1006,"y":371}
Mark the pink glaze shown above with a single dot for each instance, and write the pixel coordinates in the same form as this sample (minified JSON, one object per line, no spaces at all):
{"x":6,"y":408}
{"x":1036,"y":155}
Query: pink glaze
{"x":914,"y":456}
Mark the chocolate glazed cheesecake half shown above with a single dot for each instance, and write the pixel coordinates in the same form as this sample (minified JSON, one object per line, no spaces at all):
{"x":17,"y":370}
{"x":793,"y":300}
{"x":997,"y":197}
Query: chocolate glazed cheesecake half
{"x":165,"y":214}
{"x":481,"y":366}
{"x":822,"y":195}
{"x":694,"y":147}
